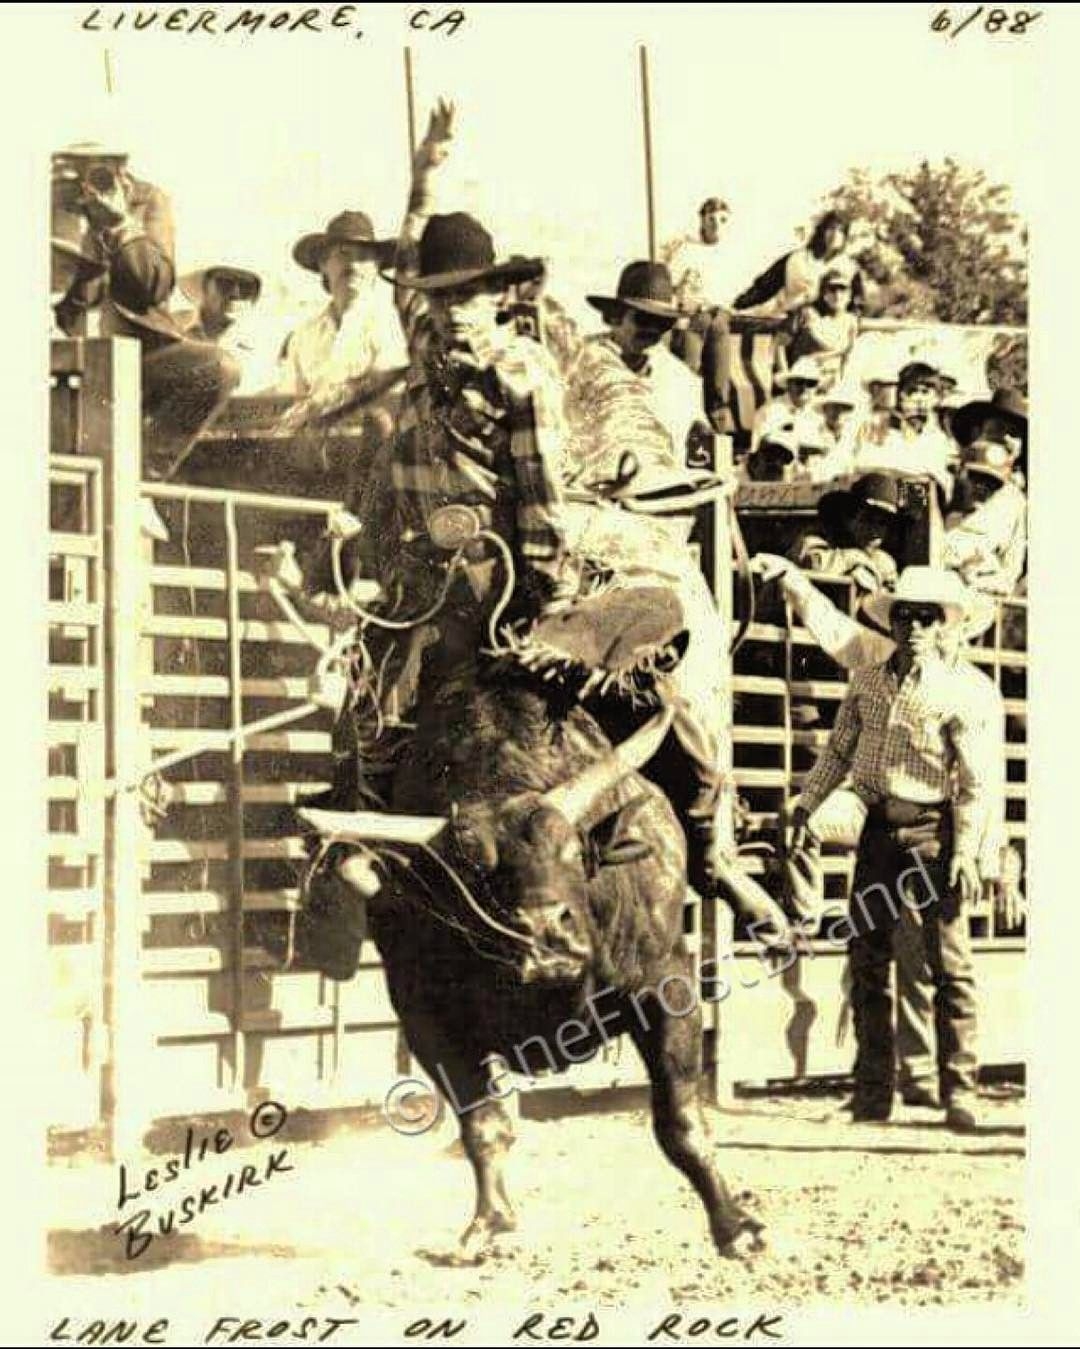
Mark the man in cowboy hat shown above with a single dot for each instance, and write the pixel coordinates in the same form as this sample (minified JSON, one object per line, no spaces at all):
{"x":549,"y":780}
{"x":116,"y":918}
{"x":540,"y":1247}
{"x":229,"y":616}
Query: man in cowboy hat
{"x":352,"y":349}
{"x":856,"y":527}
{"x":127,"y":226}
{"x":224,"y":294}
{"x":631,"y":349}
{"x":920,"y":738}
{"x":478,"y":443}
{"x":792,"y":412}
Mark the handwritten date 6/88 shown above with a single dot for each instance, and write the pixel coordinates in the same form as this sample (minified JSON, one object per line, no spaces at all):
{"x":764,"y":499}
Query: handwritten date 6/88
{"x":1014,"y":22}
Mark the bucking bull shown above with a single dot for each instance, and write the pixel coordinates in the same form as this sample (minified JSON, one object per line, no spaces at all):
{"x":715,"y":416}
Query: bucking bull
{"x":536,"y":912}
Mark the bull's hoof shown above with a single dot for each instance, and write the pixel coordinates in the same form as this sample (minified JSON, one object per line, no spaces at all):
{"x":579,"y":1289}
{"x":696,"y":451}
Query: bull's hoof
{"x":480,"y":1238}
{"x":745,"y":1240}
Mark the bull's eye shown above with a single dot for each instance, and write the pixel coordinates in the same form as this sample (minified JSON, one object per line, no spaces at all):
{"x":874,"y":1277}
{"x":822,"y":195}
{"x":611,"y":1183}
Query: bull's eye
{"x":475,"y":848}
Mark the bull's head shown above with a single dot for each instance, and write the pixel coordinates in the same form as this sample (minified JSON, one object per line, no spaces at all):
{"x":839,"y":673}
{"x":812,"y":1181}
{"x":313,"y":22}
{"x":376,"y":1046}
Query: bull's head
{"x":535,"y":851}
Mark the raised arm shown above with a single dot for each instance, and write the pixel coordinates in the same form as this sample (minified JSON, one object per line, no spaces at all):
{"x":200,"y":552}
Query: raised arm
{"x":430,"y":156}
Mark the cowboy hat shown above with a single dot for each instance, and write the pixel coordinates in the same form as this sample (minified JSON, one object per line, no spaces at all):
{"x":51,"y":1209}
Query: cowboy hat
{"x":1007,"y":405}
{"x":878,"y":490}
{"x":348,"y":227}
{"x":91,"y":150}
{"x":922,"y":585}
{"x":645,"y":287}
{"x":918,"y":372}
{"x":805,"y":371}
{"x":192,"y":283}
{"x":455,"y":250}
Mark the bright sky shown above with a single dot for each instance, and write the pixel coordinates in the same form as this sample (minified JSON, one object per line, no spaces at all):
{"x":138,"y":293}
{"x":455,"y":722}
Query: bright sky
{"x":261,"y":138}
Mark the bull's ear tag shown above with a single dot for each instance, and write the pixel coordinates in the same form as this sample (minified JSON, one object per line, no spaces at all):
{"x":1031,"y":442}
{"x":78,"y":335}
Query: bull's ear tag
{"x":451,"y":527}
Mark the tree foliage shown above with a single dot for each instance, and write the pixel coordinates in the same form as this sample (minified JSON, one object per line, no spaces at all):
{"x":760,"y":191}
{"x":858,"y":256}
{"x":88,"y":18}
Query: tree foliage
{"x":941,"y":242}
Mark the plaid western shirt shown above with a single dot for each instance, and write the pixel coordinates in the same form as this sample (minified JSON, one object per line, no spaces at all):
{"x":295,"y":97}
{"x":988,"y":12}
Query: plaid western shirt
{"x":480,"y":427}
{"x":933,"y":737}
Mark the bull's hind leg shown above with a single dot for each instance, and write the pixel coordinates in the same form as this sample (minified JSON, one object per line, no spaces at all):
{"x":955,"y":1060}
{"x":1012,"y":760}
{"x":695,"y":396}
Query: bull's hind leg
{"x":486,"y":1135}
{"x":668,"y":1038}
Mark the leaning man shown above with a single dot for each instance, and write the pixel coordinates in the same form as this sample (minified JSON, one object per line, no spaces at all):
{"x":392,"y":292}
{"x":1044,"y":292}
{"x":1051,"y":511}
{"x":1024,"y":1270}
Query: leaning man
{"x":921,"y":737}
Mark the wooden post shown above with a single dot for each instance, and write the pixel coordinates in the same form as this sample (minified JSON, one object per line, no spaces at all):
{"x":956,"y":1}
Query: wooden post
{"x":237,"y":745}
{"x":410,"y":103}
{"x":646,"y":123}
{"x":112,"y":422}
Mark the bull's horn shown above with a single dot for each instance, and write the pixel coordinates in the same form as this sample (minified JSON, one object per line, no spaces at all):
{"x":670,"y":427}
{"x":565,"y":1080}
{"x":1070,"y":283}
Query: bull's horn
{"x":373,"y":826}
{"x":573,"y":799}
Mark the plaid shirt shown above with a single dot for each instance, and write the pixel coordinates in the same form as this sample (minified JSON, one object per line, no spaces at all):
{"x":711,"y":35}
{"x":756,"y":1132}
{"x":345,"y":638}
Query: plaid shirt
{"x":935,"y":736}
{"x":480,"y":428}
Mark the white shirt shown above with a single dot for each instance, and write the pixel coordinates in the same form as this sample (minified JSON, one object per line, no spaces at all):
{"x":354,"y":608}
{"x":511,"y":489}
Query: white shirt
{"x":675,"y":396}
{"x":321,"y":354}
{"x":702,"y":273}
{"x":897,"y":448}
{"x":988,"y":547}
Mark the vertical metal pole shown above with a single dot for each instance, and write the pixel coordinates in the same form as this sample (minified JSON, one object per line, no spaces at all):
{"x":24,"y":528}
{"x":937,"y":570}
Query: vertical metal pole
{"x":646,"y":125}
{"x":236,"y":791}
{"x":111,"y":393}
{"x":410,"y":102}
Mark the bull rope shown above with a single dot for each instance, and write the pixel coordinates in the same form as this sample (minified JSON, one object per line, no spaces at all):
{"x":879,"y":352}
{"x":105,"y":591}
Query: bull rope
{"x":457,"y":561}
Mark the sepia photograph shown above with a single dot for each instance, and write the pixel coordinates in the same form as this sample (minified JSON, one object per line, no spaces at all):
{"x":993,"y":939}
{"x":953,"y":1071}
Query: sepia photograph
{"x":529,"y":577}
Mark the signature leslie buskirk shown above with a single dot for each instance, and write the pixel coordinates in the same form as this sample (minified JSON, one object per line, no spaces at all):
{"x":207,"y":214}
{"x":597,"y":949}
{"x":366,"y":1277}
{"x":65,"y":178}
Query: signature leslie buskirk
{"x":141,"y":1227}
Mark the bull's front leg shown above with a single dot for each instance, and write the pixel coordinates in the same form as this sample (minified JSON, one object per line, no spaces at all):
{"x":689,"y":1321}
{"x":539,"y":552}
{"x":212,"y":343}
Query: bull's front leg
{"x":486,"y":1135}
{"x":669,"y":1041}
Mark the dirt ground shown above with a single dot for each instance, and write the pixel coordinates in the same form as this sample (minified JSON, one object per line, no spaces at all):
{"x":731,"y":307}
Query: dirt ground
{"x":901,"y":1214}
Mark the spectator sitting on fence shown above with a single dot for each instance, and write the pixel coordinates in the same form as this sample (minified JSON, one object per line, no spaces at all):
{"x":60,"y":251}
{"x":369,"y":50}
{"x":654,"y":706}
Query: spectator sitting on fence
{"x":986,"y":536}
{"x":827,"y":444}
{"x":794,"y":280}
{"x":827,"y":328}
{"x":701,"y":272}
{"x":856,"y":528}
{"x":126,"y":224}
{"x":910,"y":441}
{"x":791,"y":414}
{"x":224,"y":296}
{"x":352,"y":351}
{"x":921,"y":736}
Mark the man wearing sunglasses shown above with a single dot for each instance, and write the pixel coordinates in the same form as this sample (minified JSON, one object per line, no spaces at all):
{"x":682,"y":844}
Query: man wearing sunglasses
{"x":224,"y":295}
{"x":921,"y":738}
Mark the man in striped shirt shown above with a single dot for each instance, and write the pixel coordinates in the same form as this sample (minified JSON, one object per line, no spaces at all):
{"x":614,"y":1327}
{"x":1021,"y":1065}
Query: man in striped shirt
{"x":920,"y":738}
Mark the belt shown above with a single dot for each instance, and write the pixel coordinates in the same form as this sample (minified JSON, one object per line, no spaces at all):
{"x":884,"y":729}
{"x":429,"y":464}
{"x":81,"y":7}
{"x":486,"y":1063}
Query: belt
{"x":893,"y":812}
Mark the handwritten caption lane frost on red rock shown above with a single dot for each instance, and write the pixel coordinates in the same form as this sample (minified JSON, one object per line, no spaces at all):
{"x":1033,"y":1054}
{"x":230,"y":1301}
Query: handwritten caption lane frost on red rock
{"x":225,"y":20}
{"x":540,"y":1327}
